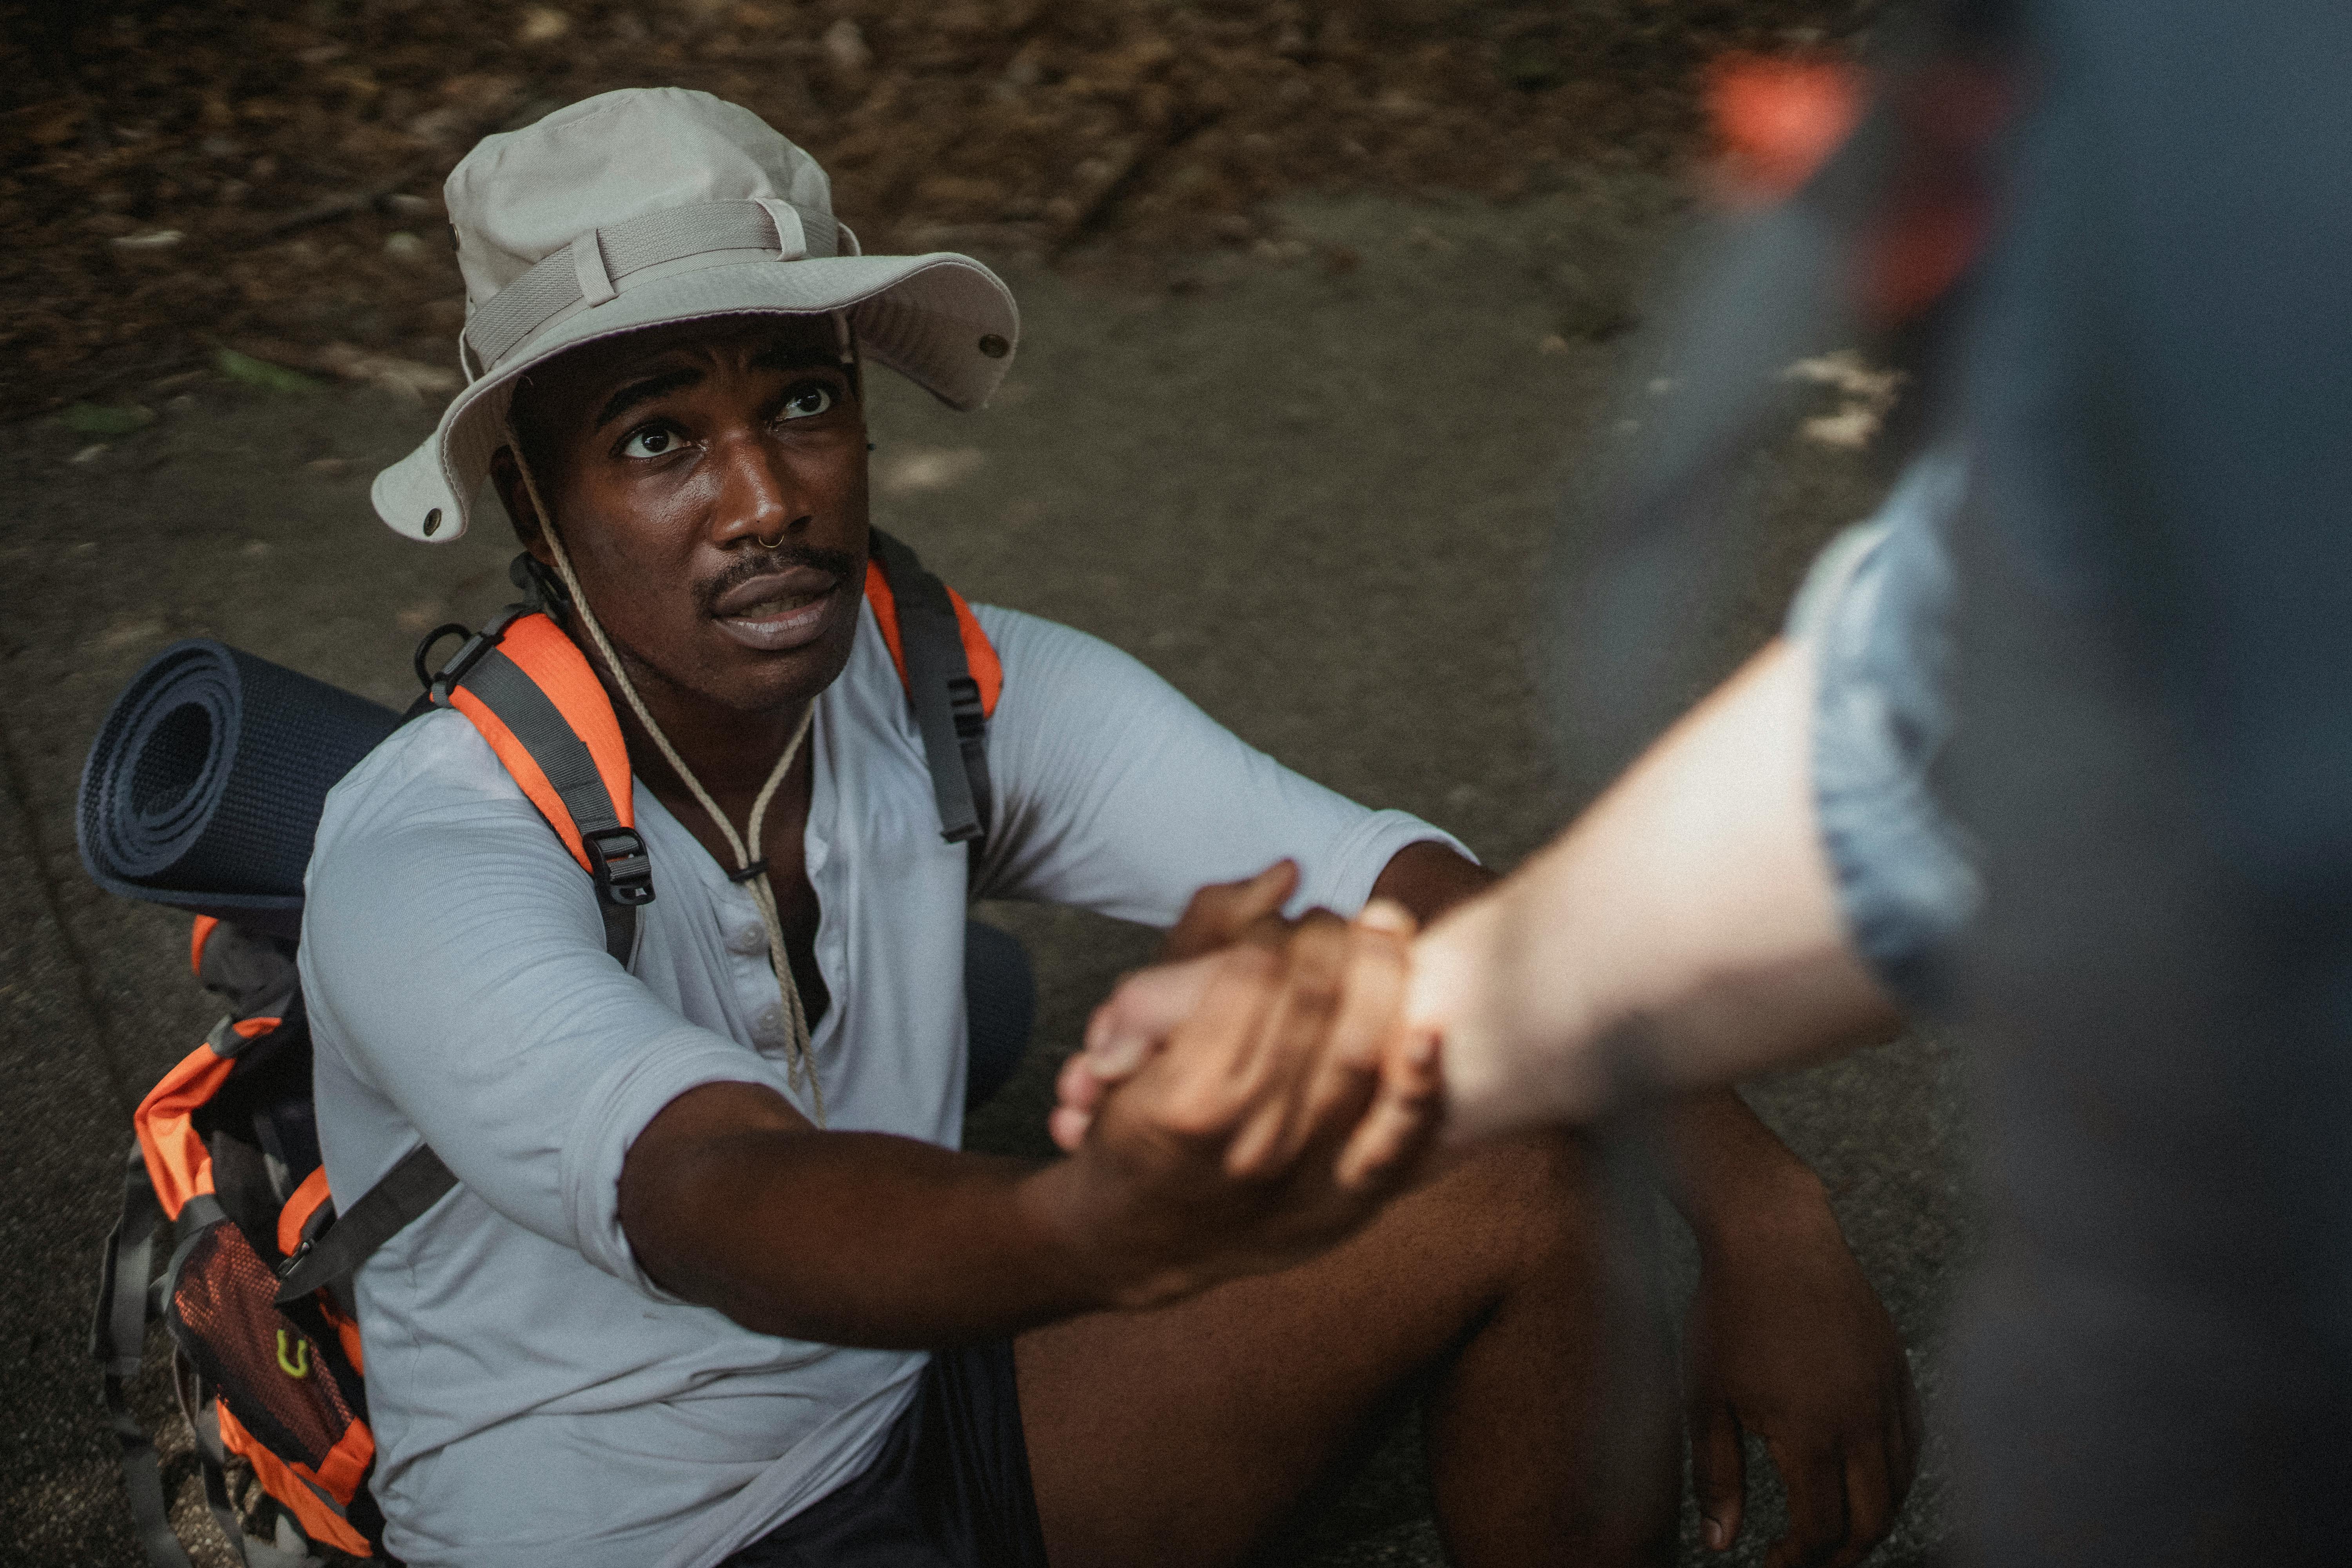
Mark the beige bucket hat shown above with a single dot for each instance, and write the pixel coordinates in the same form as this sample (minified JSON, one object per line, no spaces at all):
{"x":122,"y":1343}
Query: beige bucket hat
{"x":653,"y":205}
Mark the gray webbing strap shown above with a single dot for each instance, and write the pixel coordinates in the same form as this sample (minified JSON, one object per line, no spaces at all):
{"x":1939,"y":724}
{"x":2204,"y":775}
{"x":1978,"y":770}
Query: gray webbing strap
{"x":534,"y":721}
{"x":599,"y":264}
{"x":623,"y":873}
{"x":116,"y":1339}
{"x":620,"y":931}
{"x":406,"y":1190}
{"x":213,"y":1460}
{"x":118,"y":1336}
{"x":940,"y":689}
{"x":289,"y":1550}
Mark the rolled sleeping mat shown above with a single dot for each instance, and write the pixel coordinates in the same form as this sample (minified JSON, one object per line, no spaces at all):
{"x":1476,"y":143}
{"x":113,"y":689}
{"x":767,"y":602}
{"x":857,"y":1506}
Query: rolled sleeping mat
{"x":203,"y":788}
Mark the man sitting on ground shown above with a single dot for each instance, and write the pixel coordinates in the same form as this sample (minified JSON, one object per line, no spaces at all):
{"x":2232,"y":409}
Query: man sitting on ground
{"x":716,"y":1285}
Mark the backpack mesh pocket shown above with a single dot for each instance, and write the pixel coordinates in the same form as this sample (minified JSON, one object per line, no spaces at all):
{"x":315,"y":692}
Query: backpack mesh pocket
{"x":272,"y":1374}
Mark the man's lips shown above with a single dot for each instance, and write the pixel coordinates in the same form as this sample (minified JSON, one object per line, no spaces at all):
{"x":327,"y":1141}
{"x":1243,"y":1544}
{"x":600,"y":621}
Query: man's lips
{"x":749,"y":597}
{"x":778,"y":609}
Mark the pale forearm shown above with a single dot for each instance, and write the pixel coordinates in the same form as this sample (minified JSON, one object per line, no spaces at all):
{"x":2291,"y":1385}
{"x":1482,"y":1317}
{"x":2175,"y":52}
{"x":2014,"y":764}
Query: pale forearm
{"x":1688,"y":920}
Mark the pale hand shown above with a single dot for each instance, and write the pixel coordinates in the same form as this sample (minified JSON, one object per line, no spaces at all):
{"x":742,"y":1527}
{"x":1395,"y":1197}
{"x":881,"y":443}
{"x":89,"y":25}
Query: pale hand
{"x":1271,"y":1120}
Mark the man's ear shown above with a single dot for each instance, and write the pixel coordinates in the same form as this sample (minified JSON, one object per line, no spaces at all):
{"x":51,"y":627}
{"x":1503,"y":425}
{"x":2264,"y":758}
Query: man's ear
{"x":507,"y":475}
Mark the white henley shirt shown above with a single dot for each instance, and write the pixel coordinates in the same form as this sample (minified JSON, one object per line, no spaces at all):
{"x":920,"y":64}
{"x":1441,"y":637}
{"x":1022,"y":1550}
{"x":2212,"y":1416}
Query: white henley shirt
{"x":536,"y":1398}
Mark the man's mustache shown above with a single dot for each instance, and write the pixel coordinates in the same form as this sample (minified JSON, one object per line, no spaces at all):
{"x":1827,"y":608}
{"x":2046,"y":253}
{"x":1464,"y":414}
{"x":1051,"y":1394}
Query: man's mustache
{"x":841,"y":563}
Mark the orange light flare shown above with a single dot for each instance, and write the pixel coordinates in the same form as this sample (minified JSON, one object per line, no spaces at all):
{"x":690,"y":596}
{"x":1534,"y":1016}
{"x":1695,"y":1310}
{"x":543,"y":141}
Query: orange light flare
{"x":1776,"y":119}
{"x":1940,"y":209}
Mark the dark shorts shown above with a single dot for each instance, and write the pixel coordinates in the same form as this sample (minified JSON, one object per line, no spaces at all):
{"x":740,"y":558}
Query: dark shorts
{"x":948,"y":1489}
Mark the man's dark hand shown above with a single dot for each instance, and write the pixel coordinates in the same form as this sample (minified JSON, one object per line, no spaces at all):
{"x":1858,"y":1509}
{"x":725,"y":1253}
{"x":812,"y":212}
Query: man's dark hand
{"x":1423,"y":878}
{"x":1786,"y":1340}
{"x":1280,"y":1110}
{"x":1222,"y":913}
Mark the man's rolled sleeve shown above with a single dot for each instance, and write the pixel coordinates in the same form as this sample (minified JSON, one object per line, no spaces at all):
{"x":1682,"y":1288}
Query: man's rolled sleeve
{"x":1343,"y":881}
{"x":504,"y":1036}
{"x":1116,"y":793}
{"x":606,"y":1124}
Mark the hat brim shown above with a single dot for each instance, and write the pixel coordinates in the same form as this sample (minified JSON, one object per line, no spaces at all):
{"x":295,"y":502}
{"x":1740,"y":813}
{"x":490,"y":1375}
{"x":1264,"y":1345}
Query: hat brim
{"x":944,"y":321}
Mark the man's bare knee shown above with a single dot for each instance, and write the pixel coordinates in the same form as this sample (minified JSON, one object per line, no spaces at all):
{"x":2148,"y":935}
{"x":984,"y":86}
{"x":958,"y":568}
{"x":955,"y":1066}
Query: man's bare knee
{"x":1590,"y":1471}
{"x":1532,"y":1203}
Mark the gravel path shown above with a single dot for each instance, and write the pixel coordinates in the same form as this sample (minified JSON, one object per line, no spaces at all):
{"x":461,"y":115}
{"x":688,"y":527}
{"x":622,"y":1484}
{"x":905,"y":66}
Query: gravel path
{"x":1309,"y":482}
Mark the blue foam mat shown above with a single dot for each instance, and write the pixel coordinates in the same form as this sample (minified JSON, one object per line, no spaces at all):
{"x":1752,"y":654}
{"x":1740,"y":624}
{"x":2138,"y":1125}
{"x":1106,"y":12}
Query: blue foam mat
{"x":203,"y":788}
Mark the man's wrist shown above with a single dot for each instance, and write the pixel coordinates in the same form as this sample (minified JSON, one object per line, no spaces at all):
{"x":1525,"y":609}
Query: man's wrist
{"x":1088,"y":1240}
{"x":1765,"y":1212}
{"x":1428,"y":877}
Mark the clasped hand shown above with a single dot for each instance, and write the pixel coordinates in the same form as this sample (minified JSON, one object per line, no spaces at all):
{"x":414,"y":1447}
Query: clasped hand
{"x":1278,"y":1102}
{"x":1264,"y":1038}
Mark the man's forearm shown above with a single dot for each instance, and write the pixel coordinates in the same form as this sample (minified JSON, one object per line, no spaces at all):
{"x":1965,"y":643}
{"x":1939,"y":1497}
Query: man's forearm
{"x":1689,"y":922}
{"x":1731,"y":1178}
{"x":1283,"y":1112}
{"x":846,"y":1239}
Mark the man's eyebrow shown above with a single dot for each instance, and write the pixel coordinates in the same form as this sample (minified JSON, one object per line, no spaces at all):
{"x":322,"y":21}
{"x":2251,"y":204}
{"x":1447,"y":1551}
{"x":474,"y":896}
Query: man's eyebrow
{"x":661,"y":384}
{"x":644,"y":390}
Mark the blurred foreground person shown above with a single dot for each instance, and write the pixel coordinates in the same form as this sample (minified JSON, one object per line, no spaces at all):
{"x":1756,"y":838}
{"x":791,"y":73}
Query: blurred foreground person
{"x":2062,"y":758}
{"x":714,"y":1284}
{"x":2058,"y":755}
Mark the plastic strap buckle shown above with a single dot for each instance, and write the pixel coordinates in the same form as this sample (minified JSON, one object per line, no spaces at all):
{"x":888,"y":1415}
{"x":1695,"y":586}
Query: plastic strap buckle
{"x":469,"y":653}
{"x":624,"y":872}
{"x":963,"y":701}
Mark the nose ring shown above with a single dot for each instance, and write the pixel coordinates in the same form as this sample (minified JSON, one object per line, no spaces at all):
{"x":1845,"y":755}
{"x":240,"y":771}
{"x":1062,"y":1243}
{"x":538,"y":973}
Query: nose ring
{"x":775,"y":544}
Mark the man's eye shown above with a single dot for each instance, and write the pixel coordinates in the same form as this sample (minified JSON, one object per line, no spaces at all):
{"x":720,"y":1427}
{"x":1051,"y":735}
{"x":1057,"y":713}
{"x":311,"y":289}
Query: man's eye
{"x":651,"y":442}
{"x":806,"y":402}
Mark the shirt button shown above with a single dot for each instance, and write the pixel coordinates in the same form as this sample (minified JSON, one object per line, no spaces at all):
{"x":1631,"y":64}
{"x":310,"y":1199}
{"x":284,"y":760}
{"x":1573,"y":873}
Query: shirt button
{"x":748,"y":940}
{"x":767,"y":1028}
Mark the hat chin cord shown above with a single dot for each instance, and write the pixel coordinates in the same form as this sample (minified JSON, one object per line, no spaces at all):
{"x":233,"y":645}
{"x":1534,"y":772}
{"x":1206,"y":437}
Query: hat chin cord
{"x":750,"y":869}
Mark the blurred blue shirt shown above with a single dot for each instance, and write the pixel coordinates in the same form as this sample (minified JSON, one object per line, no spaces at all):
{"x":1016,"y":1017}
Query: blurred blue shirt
{"x":1873,"y":614}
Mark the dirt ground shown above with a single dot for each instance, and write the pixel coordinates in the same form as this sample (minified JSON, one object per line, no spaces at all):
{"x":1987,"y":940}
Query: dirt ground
{"x":1322,"y":304}
{"x":264,"y":174}
{"x":1315,"y":499}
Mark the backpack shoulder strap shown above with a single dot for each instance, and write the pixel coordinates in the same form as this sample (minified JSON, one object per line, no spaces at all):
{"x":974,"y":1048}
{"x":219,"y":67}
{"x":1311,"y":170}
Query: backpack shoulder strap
{"x":402,"y":1193}
{"x":536,"y":700}
{"x":952,"y":677}
{"x":533,"y":696}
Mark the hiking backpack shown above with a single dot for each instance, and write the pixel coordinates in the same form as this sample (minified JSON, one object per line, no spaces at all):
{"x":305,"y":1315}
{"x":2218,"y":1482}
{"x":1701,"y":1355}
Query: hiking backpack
{"x":267,"y":1357}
